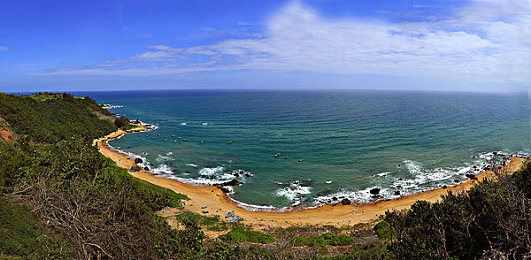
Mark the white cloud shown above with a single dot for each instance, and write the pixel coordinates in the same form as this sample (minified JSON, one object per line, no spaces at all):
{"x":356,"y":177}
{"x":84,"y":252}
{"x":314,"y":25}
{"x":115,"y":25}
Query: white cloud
{"x":488,"y":42}
{"x":4,"y":48}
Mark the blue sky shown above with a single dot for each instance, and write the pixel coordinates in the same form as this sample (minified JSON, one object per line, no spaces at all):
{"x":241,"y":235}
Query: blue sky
{"x":479,"y":45}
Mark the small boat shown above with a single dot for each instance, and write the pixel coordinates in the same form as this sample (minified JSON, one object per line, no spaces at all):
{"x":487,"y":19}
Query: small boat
{"x":301,"y":160}
{"x":328,"y":182}
{"x":234,"y":219}
{"x":230,"y":214}
{"x":277,"y":155}
{"x":229,"y":142}
{"x":201,"y":142}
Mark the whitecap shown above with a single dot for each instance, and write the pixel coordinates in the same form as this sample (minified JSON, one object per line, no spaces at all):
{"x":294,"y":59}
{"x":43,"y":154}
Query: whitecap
{"x":211,"y":171}
{"x":163,"y":168}
{"x":293,"y":192}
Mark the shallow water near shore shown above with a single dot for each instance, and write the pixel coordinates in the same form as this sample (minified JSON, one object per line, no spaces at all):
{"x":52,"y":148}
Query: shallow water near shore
{"x":349,"y":141}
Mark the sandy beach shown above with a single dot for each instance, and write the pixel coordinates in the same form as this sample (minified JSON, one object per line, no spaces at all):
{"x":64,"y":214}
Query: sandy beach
{"x":218,"y":203}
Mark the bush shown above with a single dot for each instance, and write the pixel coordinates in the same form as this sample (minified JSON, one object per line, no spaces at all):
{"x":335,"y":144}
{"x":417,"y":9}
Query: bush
{"x":491,"y":217}
{"x":385,"y":231}
{"x":240,"y":235}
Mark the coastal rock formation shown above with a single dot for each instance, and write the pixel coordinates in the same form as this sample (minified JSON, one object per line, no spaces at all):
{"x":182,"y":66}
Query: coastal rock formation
{"x":232,"y":183}
{"x":345,"y":202}
{"x":138,"y":160}
{"x":471,"y":176}
{"x":135,"y":168}
{"x":375,"y":191}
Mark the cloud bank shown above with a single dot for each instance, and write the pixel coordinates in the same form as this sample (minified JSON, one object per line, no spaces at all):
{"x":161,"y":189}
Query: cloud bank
{"x":486,"y":42}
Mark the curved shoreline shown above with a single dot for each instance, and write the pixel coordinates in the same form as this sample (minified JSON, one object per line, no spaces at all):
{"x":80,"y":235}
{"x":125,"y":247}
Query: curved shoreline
{"x":219,"y":203}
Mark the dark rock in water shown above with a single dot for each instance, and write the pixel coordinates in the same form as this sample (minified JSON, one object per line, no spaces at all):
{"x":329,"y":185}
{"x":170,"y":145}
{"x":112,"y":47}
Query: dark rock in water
{"x":397,"y":192}
{"x":375,"y":191}
{"x":138,"y":160}
{"x":444,"y":186}
{"x":399,"y":179}
{"x":236,"y":174}
{"x":248,"y":175}
{"x":224,"y":189}
{"x":146,"y":168}
{"x":334,"y":198}
{"x":457,"y":180}
{"x":232,"y":183}
{"x":399,"y":186}
{"x":345,"y":202}
{"x":135,"y":168}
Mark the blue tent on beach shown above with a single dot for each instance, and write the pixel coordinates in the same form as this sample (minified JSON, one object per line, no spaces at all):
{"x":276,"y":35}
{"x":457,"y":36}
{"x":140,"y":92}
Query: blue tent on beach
{"x":234,"y":219}
{"x":230,"y":214}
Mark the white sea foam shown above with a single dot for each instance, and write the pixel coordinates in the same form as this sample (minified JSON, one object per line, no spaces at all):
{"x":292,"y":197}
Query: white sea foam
{"x":191,"y":165}
{"x":293,"y":192}
{"x":162,"y":169}
{"x":211,"y":171}
{"x":183,"y":123}
{"x":383,"y":174}
{"x":166,"y":157}
{"x":355,"y":196}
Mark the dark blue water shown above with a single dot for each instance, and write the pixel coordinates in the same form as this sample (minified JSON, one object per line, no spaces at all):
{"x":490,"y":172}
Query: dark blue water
{"x":349,"y":141}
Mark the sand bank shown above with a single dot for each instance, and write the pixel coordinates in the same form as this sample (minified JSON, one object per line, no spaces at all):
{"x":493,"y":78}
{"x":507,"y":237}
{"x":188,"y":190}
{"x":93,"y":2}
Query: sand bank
{"x":218,"y":203}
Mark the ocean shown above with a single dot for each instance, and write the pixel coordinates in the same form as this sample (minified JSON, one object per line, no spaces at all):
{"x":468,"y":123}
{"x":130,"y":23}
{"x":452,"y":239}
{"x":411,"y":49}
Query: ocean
{"x":293,"y":148}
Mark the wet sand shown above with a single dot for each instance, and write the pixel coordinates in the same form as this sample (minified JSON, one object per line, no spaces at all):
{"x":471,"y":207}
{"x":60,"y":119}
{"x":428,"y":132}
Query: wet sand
{"x":218,"y":203}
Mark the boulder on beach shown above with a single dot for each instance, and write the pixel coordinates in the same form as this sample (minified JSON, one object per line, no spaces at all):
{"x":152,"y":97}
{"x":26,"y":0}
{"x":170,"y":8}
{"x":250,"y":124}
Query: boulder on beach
{"x":138,"y":160}
{"x":375,"y":191}
{"x":146,"y":168}
{"x":397,"y":192}
{"x":135,"y":168}
{"x":345,"y":202}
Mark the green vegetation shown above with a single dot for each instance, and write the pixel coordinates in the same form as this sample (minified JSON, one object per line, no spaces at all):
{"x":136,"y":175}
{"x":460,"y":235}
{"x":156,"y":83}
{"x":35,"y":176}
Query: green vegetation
{"x":51,"y":120}
{"x":327,"y":239}
{"x":239,"y":235}
{"x":22,"y":237}
{"x":384,"y":230}
{"x":76,"y":194}
{"x":211,"y":223}
{"x":489,"y":221}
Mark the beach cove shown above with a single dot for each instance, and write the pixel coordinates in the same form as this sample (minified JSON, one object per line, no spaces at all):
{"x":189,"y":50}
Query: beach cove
{"x":216,"y":202}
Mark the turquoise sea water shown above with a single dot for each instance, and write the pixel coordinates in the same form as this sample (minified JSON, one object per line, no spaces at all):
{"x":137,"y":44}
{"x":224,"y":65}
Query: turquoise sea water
{"x":349,"y":141}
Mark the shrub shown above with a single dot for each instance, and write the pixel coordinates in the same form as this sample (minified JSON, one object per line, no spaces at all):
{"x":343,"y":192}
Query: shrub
{"x":384,"y":230}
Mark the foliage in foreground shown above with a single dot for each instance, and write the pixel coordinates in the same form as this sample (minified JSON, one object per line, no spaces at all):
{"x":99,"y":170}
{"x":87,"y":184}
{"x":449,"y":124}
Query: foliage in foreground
{"x":324,"y":240}
{"x":489,"y":221}
{"x":239,"y":235}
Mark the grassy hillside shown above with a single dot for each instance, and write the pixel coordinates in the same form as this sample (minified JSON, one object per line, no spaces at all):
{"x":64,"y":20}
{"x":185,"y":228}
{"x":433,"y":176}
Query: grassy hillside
{"x":52,"y":118}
